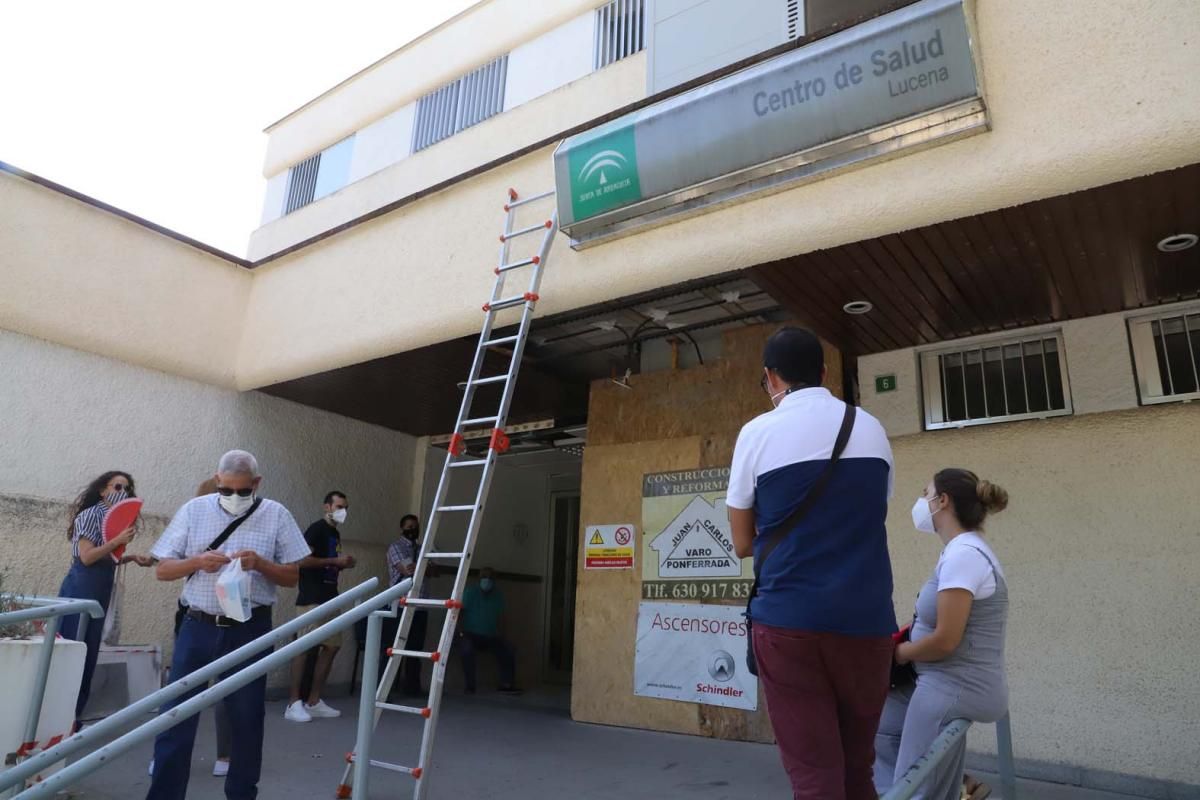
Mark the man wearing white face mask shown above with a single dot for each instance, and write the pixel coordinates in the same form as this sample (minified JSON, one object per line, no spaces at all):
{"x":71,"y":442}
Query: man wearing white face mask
{"x":205,"y":535}
{"x":318,"y":584}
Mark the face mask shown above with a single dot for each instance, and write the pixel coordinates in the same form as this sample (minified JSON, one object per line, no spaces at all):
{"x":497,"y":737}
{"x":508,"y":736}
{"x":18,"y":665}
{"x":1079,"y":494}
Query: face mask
{"x":922,"y":516}
{"x":235,"y":504}
{"x":409,"y":533}
{"x":338,"y":516}
{"x":774,"y":398}
{"x":486,"y":584}
{"x":115,"y":497}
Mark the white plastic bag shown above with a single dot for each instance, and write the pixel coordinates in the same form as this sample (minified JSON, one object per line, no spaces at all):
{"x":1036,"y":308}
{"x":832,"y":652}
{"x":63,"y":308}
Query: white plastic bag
{"x":233,"y":591}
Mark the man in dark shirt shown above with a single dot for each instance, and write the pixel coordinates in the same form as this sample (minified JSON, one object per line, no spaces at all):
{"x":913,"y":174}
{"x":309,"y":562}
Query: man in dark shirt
{"x":318,"y":584}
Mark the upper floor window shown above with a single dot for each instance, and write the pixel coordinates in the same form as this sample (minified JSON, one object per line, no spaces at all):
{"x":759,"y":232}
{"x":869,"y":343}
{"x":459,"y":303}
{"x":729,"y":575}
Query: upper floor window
{"x":463,"y":102}
{"x":319,"y":175}
{"x":997,"y":380}
{"x":620,"y":31}
{"x":1166,"y":354}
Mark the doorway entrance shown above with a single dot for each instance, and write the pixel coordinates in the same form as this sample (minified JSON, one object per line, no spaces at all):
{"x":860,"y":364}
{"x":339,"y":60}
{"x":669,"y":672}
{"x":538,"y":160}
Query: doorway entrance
{"x":560,"y":587}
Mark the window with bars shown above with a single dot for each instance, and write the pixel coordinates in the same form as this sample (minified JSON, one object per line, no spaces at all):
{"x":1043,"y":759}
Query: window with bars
{"x":460,"y":104}
{"x":620,"y":31}
{"x":302,"y":183}
{"x":995,"y":381}
{"x":1166,"y":354}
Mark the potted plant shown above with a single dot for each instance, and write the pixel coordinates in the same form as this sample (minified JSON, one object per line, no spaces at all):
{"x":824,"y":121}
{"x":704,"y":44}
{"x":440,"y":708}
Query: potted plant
{"x":20,"y":651}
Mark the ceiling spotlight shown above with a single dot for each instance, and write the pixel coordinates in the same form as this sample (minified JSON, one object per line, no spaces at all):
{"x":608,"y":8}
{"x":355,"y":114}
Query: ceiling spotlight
{"x":606,"y":325}
{"x":658,"y":314}
{"x":1177,"y":241}
{"x":857,"y":307}
{"x":731,"y":297}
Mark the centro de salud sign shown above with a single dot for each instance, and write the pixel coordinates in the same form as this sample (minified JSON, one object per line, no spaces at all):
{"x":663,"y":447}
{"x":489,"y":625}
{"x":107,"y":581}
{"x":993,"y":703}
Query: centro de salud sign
{"x":902,"y":80}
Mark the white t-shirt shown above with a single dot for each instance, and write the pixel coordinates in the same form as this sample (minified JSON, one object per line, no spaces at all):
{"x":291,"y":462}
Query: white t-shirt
{"x":962,"y":566}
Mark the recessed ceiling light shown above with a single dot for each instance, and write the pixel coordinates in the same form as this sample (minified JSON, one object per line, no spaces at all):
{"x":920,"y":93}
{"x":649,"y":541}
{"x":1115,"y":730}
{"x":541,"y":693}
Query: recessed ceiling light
{"x":1177,"y":241}
{"x":857,"y":307}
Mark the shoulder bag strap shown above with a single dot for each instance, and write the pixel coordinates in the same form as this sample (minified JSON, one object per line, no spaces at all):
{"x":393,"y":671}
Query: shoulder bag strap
{"x":814,"y":493}
{"x":224,"y":535}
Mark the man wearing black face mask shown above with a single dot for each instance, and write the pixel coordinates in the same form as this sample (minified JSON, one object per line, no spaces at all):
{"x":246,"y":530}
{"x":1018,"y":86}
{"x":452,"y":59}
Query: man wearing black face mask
{"x":402,"y":563}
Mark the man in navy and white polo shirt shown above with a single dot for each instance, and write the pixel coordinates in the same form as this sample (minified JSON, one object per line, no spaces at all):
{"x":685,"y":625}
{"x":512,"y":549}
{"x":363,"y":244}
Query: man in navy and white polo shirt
{"x":270,"y":545}
{"x":823,"y":616}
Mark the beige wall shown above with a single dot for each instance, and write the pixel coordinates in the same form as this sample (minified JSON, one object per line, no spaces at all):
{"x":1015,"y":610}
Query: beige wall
{"x":66,"y":416}
{"x":482,"y":32}
{"x":1081,"y":94}
{"x":1101,"y":547}
{"x":83,"y":277}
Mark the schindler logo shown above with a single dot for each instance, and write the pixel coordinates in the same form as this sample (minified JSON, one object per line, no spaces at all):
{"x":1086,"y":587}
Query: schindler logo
{"x":604,"y":174}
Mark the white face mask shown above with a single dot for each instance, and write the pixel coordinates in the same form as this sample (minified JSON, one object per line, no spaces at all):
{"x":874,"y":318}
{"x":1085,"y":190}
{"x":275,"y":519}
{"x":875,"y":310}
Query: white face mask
{"x":338,"y":516}
{"x":922,"y":516}
{"x":236,"y":505}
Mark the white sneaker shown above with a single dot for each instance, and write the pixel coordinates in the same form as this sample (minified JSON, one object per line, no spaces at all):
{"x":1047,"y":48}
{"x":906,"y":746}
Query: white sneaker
{"x":321,"y":710}
{"x":220,"y":768}
{"x":296,"y":713}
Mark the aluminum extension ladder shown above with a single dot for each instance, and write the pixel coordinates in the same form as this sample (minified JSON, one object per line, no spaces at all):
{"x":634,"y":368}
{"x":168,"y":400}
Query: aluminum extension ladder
{"x":497,"y":444}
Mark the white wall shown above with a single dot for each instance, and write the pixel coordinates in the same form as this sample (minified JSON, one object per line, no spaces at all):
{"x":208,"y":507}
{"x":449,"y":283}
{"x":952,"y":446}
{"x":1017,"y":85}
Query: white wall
{"x":553,"y":59}
{"x":275,"y":197}
{"x":383,"y":142}
{"x":1095,"y":349}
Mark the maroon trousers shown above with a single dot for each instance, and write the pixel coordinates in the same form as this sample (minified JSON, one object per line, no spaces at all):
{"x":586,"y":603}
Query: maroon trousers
{"x":824,"y":694}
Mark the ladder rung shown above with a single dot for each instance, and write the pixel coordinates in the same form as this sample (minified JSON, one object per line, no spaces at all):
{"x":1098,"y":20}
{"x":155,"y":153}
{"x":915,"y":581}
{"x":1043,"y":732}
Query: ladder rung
{"x":541,"y":226}
{"x":444,"y":555}
{"x":414,"y":771}
{"x":480,"y":420}
{"x":414,"y":653}
{"x":456,"y":508}
{"x":530,"y":199}
{"x":474,"y":462}
{"x":490,"y":379}
{"x":421,"y":712}
{"x":498,"y":342}
{"x":509,"y":302}
{"x":525,"y":262}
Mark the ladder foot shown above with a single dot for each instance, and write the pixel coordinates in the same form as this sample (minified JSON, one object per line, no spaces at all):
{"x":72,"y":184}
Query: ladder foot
{"x":416,"y":772}
{"x":343,"y":792}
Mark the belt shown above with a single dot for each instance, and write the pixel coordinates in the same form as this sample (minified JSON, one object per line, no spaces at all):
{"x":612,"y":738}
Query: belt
{"x":222,"y":621}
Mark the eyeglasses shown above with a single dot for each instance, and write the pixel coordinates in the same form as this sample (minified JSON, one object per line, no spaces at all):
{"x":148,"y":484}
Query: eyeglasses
{"x":121,"y":487}
{"x":763,"y":384}
{"x":225,"y":491}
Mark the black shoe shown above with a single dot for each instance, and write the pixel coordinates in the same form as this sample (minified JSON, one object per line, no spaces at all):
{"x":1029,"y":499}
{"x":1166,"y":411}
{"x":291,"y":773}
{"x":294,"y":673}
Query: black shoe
{"x":512,"y":690}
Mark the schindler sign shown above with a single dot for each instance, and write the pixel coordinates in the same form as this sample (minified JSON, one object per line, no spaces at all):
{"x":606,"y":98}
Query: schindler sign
{"x":901,"y":80}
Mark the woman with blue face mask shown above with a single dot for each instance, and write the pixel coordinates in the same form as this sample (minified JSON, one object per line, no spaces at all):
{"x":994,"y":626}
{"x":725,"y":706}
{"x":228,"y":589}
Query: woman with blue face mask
{"x":956,"y":641}
{"x":93,"y":568}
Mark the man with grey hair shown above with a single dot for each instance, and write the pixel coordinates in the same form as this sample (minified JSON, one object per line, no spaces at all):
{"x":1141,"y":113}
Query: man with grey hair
{"x":207,"y":533}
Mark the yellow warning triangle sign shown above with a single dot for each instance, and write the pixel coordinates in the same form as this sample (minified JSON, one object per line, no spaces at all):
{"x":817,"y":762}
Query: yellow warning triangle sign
{"x":596,"y":538}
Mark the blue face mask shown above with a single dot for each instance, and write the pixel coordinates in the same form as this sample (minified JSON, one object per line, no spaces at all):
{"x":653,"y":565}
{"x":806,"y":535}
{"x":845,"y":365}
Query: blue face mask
{"x":486,"y":584}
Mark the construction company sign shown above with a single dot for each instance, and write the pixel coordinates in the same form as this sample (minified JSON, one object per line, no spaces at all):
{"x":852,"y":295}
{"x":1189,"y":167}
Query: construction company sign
{"x":608,"y":546}
{"x":688,"y":545}
{"x":695,"y":654}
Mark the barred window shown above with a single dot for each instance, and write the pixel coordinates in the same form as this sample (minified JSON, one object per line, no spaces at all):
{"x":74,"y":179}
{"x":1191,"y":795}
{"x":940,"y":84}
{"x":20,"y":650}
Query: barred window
{"x":994,"y":381}
{"x":620,"y":31}
{"x":1166,"y":354}
{"x":302,"y":183}
{"x":458,"y":105}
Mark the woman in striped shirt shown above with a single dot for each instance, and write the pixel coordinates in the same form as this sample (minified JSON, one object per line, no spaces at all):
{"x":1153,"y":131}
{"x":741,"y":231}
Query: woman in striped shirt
{"x":93,"y":567}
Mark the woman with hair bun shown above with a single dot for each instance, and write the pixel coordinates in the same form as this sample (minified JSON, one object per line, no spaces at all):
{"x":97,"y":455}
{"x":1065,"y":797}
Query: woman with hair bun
{"x":955,"y":643}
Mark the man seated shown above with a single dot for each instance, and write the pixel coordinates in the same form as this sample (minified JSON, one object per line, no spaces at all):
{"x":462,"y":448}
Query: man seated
{"x":482,"y":608}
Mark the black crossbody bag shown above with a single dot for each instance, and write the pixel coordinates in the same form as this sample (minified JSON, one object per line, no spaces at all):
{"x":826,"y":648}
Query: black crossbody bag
{"x":789,"y":524}
{"x":222,"y":537}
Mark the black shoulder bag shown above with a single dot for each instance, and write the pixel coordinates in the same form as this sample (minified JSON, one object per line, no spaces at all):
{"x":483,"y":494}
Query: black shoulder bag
{"x":789,"y":524}
{"x":222,"y":537}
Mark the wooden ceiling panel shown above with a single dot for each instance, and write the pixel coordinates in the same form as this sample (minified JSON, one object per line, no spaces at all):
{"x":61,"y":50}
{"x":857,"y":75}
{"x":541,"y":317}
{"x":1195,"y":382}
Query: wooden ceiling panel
{"x":1082,"y":254}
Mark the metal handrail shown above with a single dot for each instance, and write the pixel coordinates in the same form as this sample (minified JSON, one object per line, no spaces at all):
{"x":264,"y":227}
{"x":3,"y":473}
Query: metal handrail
{"x":204,"y":699}
{"x":51,"y":609}
{"x":919,"y":772}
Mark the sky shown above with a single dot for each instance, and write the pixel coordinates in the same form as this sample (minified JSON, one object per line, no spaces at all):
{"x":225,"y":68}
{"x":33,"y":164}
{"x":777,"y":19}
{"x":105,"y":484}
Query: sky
{"x":158,"y":107}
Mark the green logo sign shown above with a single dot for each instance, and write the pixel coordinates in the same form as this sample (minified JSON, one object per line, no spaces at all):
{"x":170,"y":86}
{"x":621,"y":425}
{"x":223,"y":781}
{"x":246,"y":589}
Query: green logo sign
{"x":885,"y":383}
{"x":604,"y":173}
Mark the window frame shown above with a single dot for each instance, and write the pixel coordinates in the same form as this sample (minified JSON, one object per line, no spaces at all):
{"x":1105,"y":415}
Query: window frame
{"x":1147,"y":378}
{"x":931,"y":378}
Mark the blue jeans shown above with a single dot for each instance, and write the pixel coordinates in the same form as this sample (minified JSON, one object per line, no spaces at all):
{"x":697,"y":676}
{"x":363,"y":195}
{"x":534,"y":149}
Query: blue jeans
{"x":87,"y":583}
{"x":471,"y":643}
{"x":200,"y":643}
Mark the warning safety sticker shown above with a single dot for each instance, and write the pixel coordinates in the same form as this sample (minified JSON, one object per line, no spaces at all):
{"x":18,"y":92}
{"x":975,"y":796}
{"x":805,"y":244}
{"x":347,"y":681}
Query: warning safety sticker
{"x":609,"y":546}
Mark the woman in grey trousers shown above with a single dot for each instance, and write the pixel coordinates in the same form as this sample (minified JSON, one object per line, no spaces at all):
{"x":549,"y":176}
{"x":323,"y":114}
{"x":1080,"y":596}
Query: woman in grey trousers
{"x":956,"y":643}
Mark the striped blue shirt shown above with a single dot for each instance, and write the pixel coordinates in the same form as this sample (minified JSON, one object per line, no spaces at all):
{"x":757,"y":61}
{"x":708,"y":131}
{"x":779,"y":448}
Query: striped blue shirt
{"x":88,"y":525}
